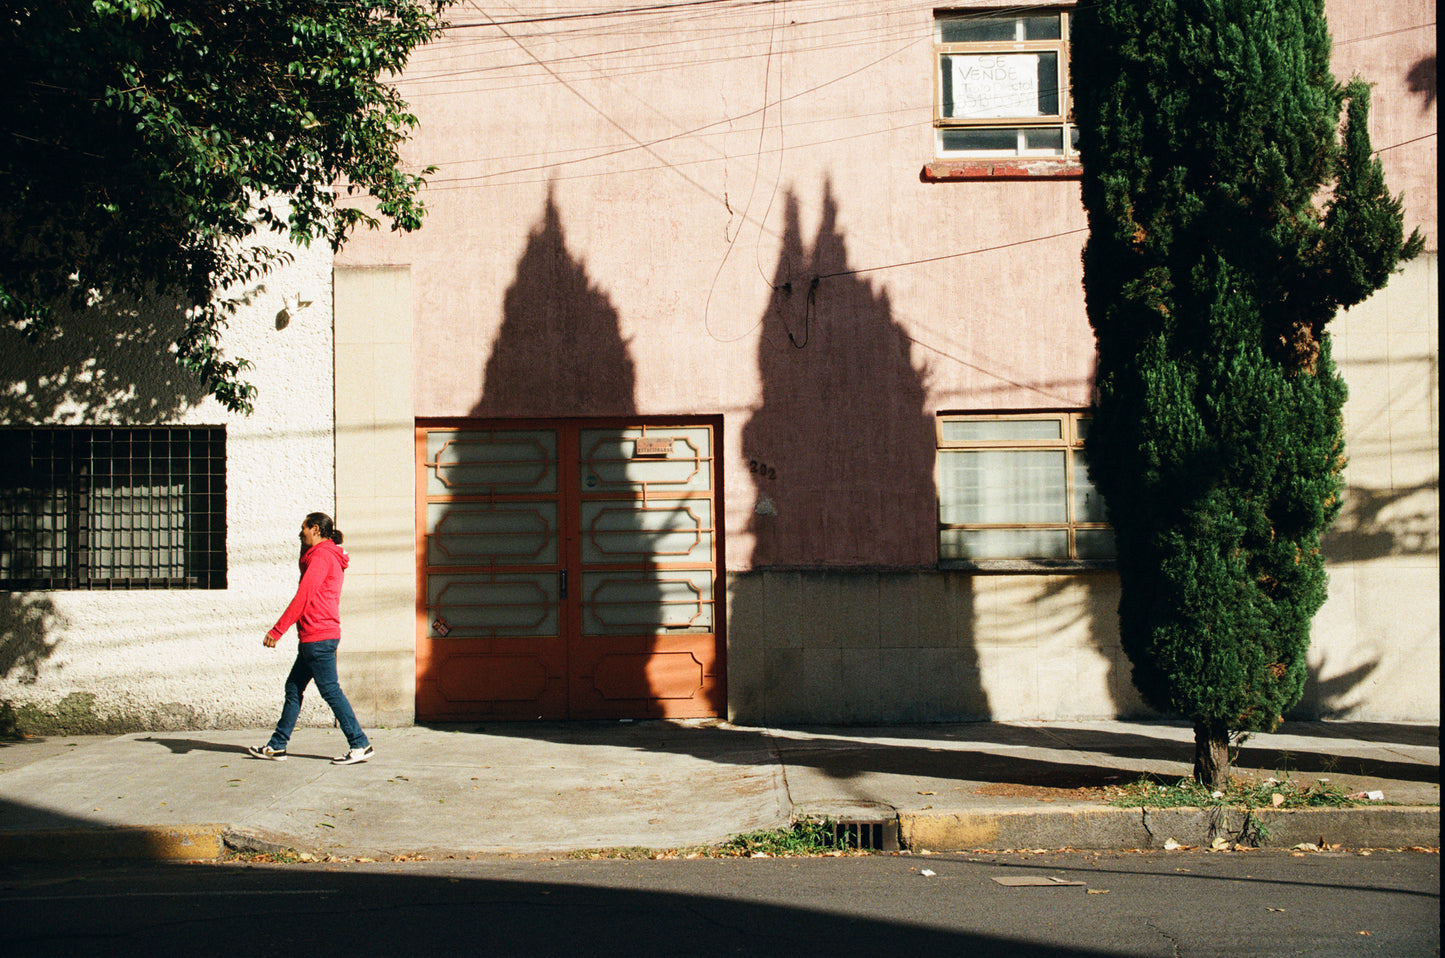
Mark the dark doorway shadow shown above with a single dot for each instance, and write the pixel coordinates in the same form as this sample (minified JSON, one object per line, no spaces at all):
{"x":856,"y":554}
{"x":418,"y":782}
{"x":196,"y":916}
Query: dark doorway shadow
{"x":543,"y":581}
{"x":844,"y":617}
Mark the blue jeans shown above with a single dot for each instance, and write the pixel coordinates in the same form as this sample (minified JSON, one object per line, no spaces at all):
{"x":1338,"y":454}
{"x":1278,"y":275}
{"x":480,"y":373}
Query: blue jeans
{"x":317,"y":660}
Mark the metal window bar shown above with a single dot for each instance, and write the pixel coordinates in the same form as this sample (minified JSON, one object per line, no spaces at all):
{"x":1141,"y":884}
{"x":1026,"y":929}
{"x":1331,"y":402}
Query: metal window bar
{"x":112,"y":507}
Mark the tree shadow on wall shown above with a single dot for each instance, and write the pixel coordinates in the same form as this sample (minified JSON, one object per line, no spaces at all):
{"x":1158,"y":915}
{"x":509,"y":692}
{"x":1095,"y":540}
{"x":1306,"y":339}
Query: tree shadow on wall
{"x":840,"y":453}
{"x":1378,"y":523}
{"x":26,"y":624}
{"x":109,"y":363}
{"x":1422,"y":80}
{"x":560,"y":351}
{"x":1374,"y":524}
{"x":583,"y":635}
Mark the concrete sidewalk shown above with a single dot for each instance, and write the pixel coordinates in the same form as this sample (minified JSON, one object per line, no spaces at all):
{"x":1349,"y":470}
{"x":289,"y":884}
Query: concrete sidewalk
{"x":554,"y":787}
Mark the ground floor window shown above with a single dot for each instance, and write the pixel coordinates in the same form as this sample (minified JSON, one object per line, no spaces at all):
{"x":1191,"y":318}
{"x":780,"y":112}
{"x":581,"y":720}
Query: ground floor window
{"x":1015,"y":488}
{"x":112,"y":507}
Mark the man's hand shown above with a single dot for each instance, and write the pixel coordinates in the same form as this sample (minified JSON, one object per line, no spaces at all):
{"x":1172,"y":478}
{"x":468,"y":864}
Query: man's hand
{"x":269,"y":640}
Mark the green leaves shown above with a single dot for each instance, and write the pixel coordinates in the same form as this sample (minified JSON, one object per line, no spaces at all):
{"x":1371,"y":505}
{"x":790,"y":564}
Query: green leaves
{"x":142,"y":137}
{"x":1209,"y":131}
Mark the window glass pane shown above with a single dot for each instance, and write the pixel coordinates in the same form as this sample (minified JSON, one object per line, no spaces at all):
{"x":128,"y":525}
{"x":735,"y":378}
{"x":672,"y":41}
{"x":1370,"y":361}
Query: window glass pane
{"x":646,"y":603}
{"x":979,"y":29}
{"x":981,"y":430}
{"x":981,"y":140}
{"x":658,"y":530}
{"x":491,"y":533}
{"x":1088,"y":504}
{"x":1003,"y":544}
{"x":999,"y":85}
{"x":1048,"y":85}
{"x":495,"y":606}
{"x":1002,"y":486}
{"x":994,"y":140}
{"x":478,"y":463}
{"x":1042,"y":28}
{"x":1047,"y":140}
{"x":1095,"y":544}
{"x":982,"y":28}
{"x":615,"y":460}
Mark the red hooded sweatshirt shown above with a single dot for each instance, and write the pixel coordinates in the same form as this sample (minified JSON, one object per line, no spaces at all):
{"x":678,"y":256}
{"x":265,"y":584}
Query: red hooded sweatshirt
{"x":315,"y":610}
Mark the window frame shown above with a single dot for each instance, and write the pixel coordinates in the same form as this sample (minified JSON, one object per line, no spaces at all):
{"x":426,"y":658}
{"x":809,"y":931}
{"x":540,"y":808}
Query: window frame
{"x":1063,"y":120}
{"x":113,"y":508}
{"x":1072,"y":428}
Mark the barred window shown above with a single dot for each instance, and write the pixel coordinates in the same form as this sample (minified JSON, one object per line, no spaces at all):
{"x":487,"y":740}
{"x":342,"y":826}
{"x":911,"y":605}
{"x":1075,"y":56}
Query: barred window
{"x":112,"y":507}
{"x":1015,"y":489}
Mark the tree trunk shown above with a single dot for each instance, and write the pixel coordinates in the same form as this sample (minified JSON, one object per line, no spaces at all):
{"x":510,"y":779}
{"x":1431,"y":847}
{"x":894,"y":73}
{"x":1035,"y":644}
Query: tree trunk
{"x":1211,"y":754}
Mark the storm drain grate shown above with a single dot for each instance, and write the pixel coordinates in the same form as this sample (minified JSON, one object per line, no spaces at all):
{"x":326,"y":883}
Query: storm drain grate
{"x":867,"y":836}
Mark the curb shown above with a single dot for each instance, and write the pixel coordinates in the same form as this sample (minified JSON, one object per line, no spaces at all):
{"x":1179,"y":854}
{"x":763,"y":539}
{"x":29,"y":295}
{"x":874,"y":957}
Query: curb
{"x":146,"y":842}
{"x":259,"y":840}
{"x":1115,"y":829}
{"x":1103,"y":829}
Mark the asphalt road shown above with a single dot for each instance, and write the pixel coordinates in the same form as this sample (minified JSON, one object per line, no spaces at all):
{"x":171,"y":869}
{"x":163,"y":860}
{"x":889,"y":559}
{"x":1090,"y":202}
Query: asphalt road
{"x":1175,"y":904}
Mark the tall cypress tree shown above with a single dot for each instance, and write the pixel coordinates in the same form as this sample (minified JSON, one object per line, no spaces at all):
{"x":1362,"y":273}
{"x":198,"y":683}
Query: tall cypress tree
{"x":1231,"y":214}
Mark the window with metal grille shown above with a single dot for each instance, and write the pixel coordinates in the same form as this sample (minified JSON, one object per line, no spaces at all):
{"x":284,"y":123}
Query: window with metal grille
{"x":112,"y":507}
{"x":1014,"y":490}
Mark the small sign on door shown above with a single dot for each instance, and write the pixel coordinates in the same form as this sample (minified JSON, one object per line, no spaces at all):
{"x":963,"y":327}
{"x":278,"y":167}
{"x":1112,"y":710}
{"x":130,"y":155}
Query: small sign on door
{"x":652,"y":446}
{"x":440,"y":627}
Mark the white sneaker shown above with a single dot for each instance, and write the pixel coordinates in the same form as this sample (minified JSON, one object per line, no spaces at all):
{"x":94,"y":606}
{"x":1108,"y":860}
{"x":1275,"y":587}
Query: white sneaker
{"x":266,"y":751}
{"x":353,"y":756}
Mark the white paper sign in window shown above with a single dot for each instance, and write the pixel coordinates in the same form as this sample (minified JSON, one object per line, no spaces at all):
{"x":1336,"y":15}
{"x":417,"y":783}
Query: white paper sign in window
{"x":988,"y":85}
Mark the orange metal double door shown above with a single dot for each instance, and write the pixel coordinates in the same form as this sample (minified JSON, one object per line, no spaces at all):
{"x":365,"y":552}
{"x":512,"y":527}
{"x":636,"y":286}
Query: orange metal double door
{"x":567,"y":570}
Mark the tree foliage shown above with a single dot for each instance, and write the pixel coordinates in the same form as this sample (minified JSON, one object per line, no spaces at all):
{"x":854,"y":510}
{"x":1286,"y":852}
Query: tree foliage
{"x":1231,"y":215}
{"x":145,"y":140}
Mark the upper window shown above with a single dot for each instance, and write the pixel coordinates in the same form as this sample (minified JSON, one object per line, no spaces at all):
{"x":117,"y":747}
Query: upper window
{"x":1015,"y":488}
{"x":1001,"y":85}
{"x":112,"y":508}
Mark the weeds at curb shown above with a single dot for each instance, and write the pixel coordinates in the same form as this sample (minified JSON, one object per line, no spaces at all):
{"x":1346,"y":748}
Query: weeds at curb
{"x":805,"y":837}
{"x":1149,"y":791}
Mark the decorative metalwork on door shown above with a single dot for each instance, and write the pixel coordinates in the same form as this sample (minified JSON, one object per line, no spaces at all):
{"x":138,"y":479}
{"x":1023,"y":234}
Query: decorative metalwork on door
{"x":567,"y":570}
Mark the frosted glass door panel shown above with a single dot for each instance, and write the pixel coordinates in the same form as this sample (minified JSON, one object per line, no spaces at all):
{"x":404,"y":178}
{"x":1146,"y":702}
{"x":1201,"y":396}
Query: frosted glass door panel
{"x":468,"y":463}
{"x":512,"y":605}
{"x":663,"y":530}
{"x":614,"y":460}
{"x":628,"y":603}
{"x":499,"y":533}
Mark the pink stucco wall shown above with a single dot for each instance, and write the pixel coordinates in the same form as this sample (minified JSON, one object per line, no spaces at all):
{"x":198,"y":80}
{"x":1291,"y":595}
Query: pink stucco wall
{"x":721,"y":213}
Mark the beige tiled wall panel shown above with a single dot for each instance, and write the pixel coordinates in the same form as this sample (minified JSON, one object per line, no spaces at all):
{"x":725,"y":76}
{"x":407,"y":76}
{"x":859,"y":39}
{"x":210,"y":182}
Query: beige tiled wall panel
{"x":1375,"y":654}
{"x":375,"y":497}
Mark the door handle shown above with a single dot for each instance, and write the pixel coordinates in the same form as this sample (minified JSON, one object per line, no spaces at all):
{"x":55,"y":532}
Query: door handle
{"x":562,"y":581}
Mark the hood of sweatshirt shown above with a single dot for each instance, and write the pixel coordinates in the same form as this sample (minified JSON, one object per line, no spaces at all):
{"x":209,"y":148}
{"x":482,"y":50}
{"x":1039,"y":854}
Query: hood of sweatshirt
{"x":326,"y":545}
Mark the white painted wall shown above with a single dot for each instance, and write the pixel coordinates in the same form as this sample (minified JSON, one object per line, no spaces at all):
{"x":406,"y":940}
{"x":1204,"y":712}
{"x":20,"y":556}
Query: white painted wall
{"x":181,"y":659}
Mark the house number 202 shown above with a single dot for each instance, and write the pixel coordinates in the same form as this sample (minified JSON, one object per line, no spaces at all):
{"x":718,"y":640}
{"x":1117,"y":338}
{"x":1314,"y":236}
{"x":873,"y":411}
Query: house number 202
{"x":762,"y":470}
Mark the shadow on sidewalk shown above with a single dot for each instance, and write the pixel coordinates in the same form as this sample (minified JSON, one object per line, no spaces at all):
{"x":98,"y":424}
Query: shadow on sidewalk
{"x":988,"y":752}
{"x":184,"y":746}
